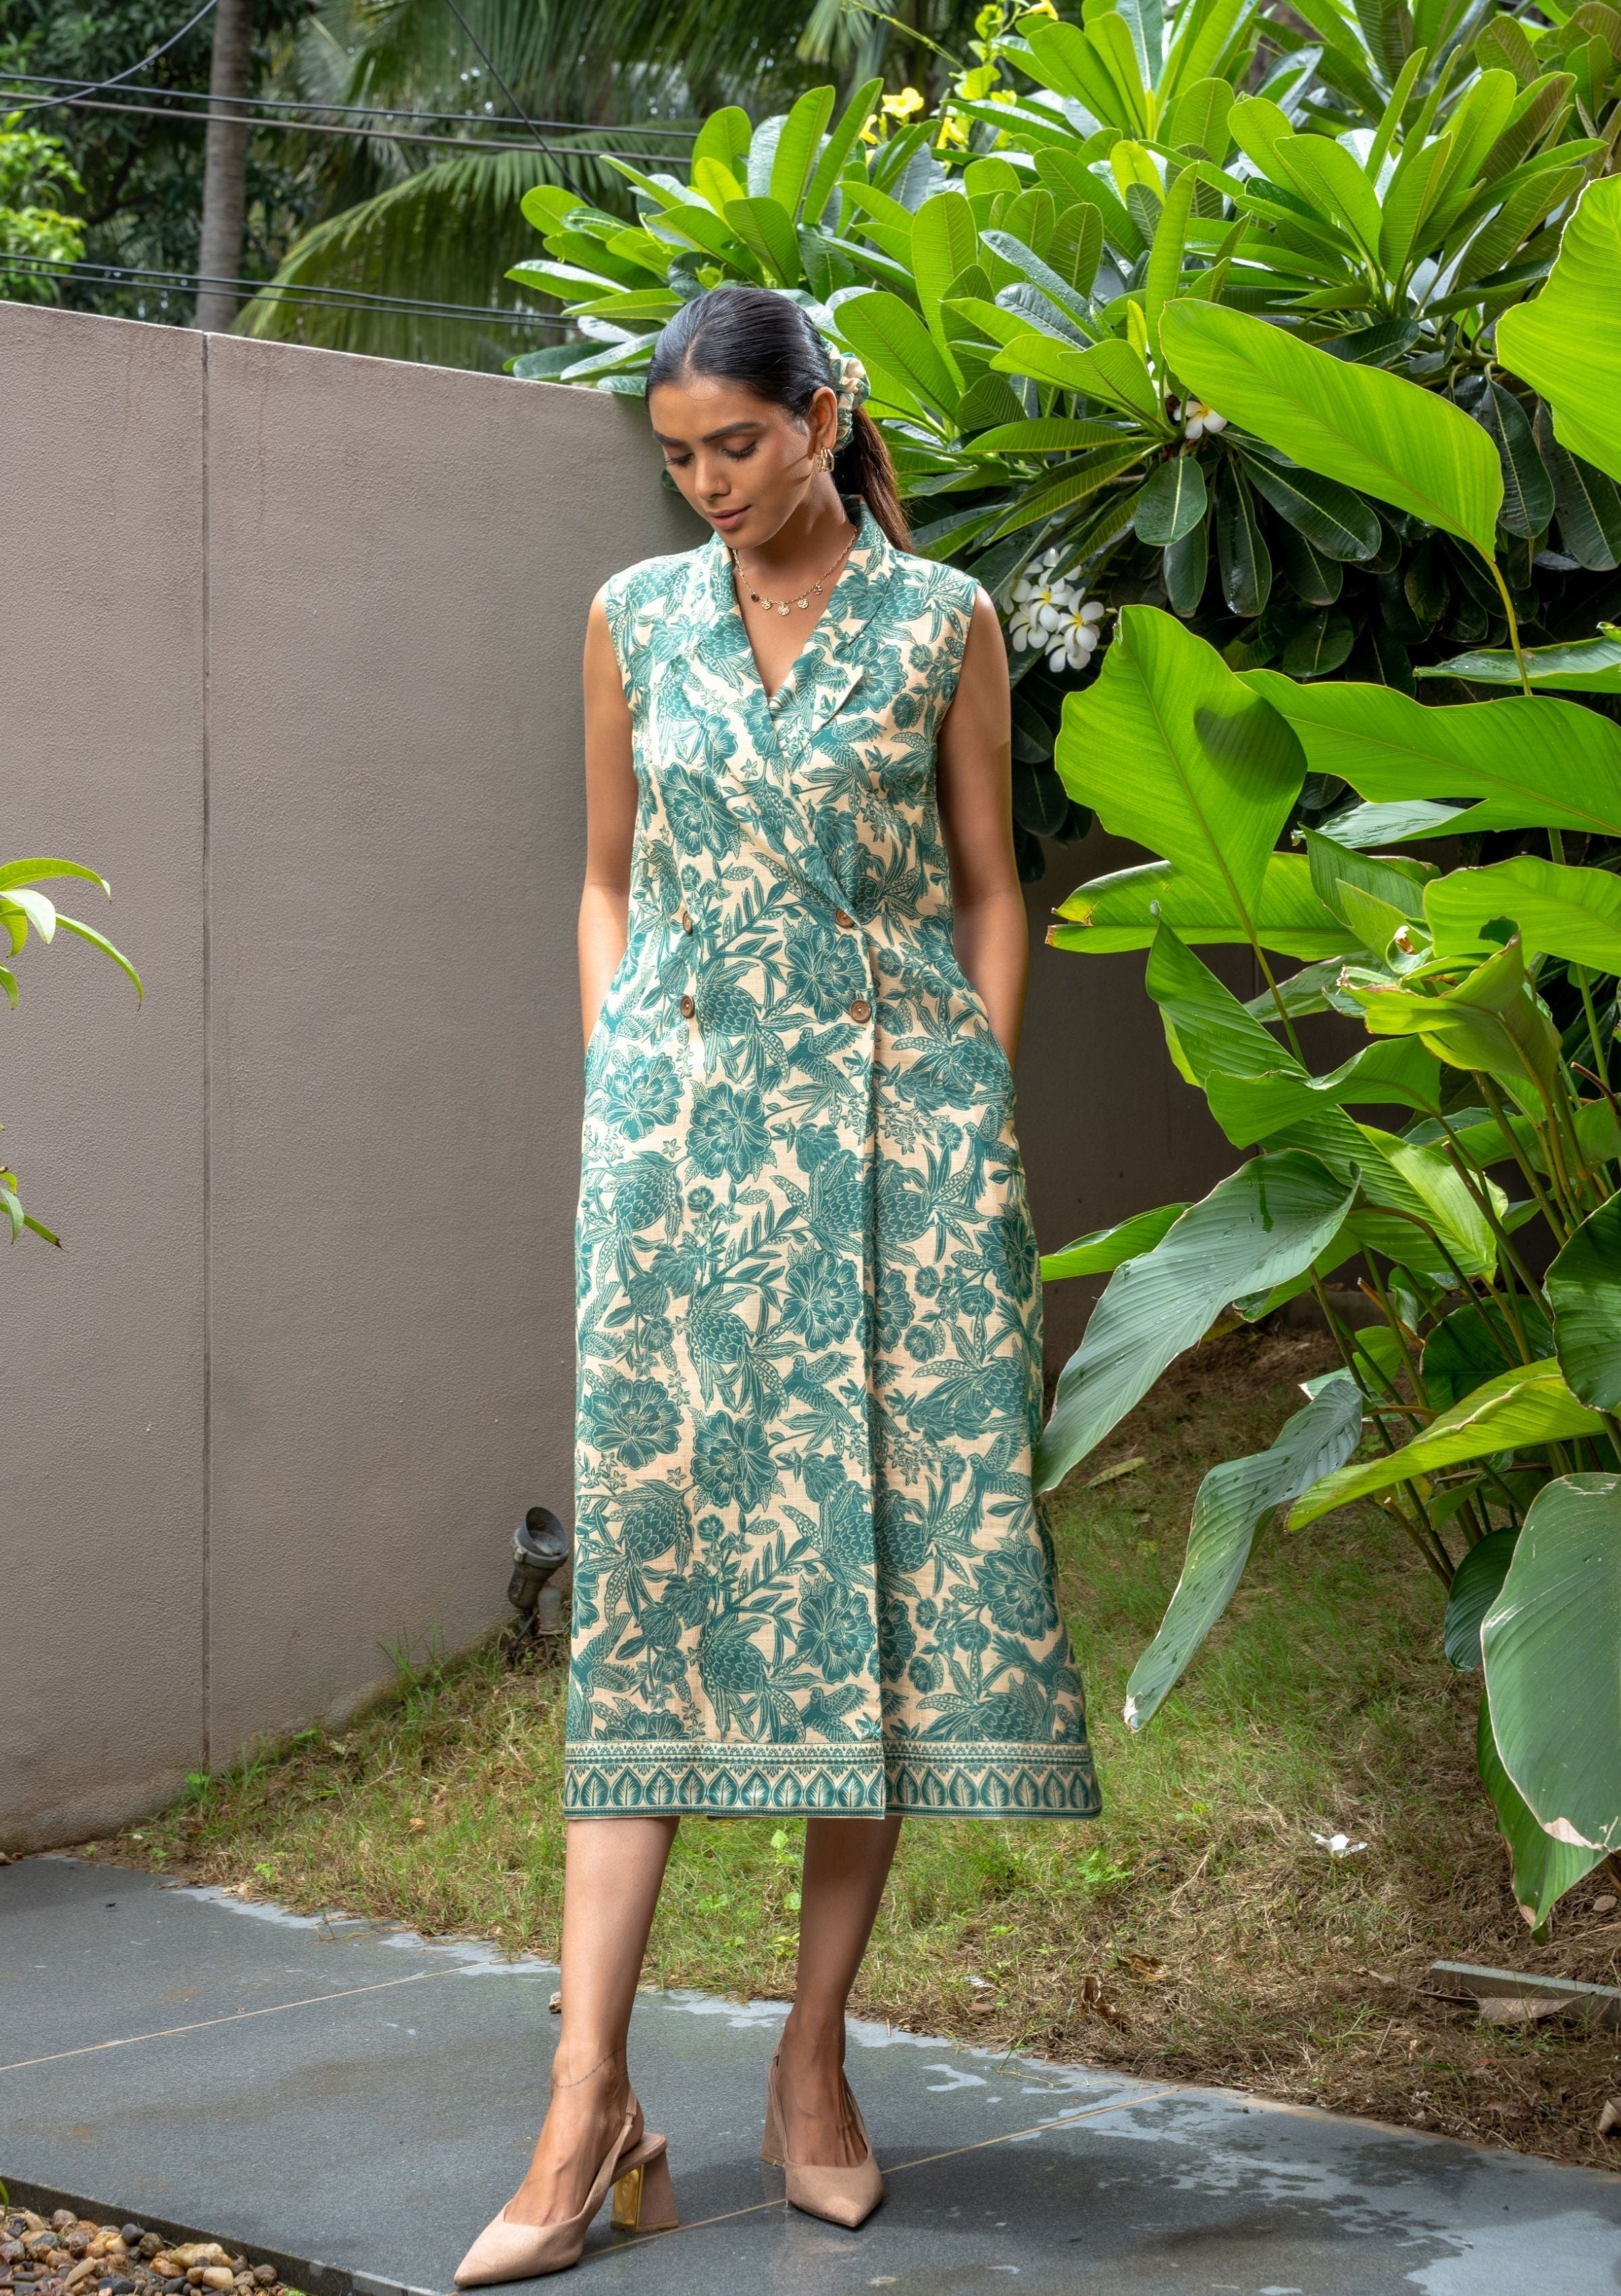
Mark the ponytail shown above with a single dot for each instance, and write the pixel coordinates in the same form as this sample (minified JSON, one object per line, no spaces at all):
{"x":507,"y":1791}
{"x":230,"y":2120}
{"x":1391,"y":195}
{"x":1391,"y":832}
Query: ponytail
{"x":864,"y":468}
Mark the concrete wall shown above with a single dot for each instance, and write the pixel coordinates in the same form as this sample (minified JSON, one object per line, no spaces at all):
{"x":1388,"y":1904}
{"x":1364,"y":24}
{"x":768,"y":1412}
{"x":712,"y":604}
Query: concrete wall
{"x":292,"y":653}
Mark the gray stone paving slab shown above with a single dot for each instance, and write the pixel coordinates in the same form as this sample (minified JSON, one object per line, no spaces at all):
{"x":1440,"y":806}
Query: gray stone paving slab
{"x":348,"y":2091}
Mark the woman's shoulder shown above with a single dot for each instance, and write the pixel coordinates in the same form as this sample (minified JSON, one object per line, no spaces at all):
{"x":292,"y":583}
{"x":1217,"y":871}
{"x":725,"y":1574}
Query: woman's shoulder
{"x":650,"y":580}
{"x":935,"y":582}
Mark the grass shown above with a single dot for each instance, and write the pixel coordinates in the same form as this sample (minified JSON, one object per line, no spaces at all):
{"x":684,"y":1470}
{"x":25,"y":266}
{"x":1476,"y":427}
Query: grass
{"x":1195,"y":1931}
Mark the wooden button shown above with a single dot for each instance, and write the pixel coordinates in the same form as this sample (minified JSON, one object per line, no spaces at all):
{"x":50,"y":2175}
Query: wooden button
{"x":860,"y":1009}
{"x":687,"y":1007}
{"x":843,"y":916}
{"x":686,"y":918}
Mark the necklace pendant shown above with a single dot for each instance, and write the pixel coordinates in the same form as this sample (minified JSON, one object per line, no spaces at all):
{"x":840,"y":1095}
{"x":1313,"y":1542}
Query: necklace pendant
{"x":803,"y":604}
{"x":782,"y":610}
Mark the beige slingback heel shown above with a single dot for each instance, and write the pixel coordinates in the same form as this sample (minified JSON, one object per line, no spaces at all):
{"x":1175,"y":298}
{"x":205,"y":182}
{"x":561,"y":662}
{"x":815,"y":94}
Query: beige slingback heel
{"x":843,"y":2196}
{"x":644,"y":2200}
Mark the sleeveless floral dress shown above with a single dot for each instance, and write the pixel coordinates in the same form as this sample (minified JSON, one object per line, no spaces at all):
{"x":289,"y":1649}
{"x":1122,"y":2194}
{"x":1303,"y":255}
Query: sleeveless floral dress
{"x":810,"y":1573}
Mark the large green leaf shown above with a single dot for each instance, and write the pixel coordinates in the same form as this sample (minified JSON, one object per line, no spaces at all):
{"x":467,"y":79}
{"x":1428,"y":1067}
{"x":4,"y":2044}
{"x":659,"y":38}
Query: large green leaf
{"x":944,"y":242}
{"x":1477,"y":1583}
{"x":1172,"y":750}
{"x":1491,"y":1021}
{"x":1529,"y":1405}
{"x":1528,"y":764}
{"x":1210,"y":1032}
{"x":1171,"y":503}
{"x":1260,"y":1227}
{"x":797,"y":146}
{"x":1234,"y":1500}
{"x":1112,"y":372}
{"x":1475,"y":1344}
{"x":1566,"y":344}
{"x":1108,"y":1248}
{"x":888,"y":336}
{"x":1590,"y":666}
{"x":1551,"y":1644}
{"x":1372,"y":431}
{"x":1542,"y":1868}
{"x":1560,"y":911}
{"x":1585,"y":1293}
{"x":1126,"y":909}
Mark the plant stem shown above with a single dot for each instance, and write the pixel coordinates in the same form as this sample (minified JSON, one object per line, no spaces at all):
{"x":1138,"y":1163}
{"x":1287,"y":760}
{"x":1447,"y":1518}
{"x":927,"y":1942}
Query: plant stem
{"x":1426,"y":1539}
{"x":1494,"y":1101}
{"x":1508,"y":607}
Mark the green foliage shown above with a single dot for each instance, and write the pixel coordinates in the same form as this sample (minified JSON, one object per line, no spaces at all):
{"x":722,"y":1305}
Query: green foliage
{"x":140,"y":177}
{"x":1489,"y":997}
{"x":25,"y":909}
{"x":34,"y":168}
{"x":1142,"y":300}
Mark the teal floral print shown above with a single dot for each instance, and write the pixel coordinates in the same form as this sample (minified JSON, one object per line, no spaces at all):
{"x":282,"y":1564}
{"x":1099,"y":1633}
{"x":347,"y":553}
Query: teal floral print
{"x":809,"y":1572}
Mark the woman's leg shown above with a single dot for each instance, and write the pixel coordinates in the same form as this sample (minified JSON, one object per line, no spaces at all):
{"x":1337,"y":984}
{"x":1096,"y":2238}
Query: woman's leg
{"x":847,"y":1862}
{"x":611,"y":1887}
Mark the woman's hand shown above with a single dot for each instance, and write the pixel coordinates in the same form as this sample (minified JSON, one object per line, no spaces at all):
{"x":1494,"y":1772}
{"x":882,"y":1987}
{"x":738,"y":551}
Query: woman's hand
{"x":610,"y":798}
{"x":974,"y":783}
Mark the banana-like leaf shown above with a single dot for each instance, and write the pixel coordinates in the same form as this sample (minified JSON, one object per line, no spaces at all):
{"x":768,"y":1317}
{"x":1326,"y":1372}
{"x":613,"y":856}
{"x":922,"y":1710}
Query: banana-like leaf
{"x":1477,"y":1583}
{"x":1566,"y":344}
{"x":1361,"y":826}
{"x":1234,"y":1500}
{"x":1478,"y":1343}
{"x":1110,"y":1248}
{"x":1551,"y":1644}
{"x":1172,"y":750}
{"x":1528,"y":764}
{"x":1371,"y":430}
{"x":1542,"y":1868}
{"x":1529,"y":1405}
{"x":1591,"y":666}
{"x":1585,"y":1293}
{"x":1560,"y":911}
{"x":1126,"y":909}
{"x":1210,"y":1032}
{"x":1262,"y":1224}
{"x":1491,"y":1021}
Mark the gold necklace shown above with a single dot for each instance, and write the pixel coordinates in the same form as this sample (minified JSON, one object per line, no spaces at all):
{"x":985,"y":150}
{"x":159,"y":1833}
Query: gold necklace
{"x":781,"y":605}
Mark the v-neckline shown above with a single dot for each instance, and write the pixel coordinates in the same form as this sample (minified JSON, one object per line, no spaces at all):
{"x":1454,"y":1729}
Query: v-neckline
{"x":867,"y":529}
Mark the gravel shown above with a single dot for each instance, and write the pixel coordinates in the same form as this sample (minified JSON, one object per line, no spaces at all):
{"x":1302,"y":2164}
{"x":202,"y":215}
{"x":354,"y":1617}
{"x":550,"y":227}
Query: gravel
{"x":65,"y":2255}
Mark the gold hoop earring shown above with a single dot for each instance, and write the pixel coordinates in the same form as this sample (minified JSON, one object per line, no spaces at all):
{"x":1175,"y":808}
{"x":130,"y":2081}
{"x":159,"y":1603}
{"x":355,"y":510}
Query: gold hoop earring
{"x":828,"y":458}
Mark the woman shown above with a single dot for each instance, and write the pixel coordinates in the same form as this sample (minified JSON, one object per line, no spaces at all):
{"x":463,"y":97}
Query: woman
{"x":810,"y":1578}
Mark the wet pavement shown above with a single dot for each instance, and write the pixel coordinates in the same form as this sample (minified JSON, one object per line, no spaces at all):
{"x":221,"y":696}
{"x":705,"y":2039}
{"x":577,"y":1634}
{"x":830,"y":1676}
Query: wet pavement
{"x":347,"y":2094}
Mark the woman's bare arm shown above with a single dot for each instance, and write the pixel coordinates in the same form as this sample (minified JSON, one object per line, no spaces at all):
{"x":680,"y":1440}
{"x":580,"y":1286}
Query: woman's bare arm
{"x":611,"y":795}
{"x":974,"y":782}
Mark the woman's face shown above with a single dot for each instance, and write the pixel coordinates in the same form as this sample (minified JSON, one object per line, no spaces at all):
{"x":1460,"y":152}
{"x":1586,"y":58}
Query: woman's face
{"x":743,"y":464}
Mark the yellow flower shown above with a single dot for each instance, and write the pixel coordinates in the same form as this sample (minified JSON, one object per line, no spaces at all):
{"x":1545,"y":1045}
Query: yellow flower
{"x":902,"y":106}
{"x":953,"y":131}
{"x":1039,"y":8}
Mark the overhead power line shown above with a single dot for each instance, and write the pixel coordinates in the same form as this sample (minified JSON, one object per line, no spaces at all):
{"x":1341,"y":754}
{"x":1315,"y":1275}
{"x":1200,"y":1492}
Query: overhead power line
{"x":117,"y":275}
{"x":94,"y":87}
{"x":665,"y":127}
{"x":357,"y":135}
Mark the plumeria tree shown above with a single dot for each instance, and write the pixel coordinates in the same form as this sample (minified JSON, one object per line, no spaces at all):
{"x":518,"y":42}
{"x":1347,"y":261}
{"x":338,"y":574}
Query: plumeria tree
{"x":1004,"y":261}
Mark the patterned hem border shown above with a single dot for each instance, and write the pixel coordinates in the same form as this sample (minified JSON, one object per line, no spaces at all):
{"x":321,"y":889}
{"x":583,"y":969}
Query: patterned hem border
{"x":993,"y":1781}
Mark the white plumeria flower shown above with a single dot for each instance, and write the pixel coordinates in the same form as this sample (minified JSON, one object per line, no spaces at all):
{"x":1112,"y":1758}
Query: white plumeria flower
{"x":1074,"y":637}
{"x":1199,"y":420}
{"x":1041,"y":603}
{"x":1338,"y":1845}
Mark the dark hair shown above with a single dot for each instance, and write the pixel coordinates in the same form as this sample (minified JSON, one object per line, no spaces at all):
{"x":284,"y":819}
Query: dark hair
{"x":772,"y":346}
